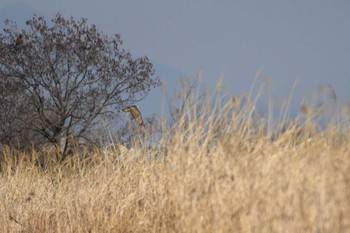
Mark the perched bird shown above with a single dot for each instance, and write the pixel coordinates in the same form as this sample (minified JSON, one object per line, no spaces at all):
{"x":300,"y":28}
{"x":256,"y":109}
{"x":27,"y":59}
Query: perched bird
{"x":135,"y":113}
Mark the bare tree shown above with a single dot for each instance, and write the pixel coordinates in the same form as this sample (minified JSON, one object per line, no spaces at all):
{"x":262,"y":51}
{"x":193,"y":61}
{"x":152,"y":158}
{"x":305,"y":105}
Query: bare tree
{"x":69,"y":76}
{"x":15,"y":113}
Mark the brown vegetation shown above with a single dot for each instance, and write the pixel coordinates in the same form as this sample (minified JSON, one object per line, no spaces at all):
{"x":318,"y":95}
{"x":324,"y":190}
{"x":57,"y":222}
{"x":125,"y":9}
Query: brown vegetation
{"x":212,"y":171}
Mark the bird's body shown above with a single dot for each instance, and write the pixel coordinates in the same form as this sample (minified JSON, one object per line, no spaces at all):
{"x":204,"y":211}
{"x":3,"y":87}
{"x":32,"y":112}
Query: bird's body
{"x":135,"y":113}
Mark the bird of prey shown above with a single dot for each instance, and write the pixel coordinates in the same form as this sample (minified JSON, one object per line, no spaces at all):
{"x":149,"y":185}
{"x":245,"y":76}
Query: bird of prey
{"x":135,"y":113}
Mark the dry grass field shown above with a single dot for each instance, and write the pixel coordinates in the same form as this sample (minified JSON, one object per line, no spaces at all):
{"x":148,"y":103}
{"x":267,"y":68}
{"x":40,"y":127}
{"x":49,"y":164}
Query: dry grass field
{"x":213,"y":170}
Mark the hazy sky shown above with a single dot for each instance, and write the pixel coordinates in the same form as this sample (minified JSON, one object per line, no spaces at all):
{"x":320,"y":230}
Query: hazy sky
{"x":308,"y":41}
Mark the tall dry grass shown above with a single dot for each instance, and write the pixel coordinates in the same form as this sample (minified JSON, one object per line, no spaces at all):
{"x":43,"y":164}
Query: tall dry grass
{"x":216,"y":168}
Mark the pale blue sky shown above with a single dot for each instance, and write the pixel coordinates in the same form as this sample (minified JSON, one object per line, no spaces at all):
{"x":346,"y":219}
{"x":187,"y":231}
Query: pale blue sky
{"x":304,"y":40}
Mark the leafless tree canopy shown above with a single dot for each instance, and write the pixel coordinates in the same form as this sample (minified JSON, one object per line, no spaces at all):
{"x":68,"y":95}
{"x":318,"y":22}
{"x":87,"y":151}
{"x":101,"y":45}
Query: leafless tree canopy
{"x":58,"y":78}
